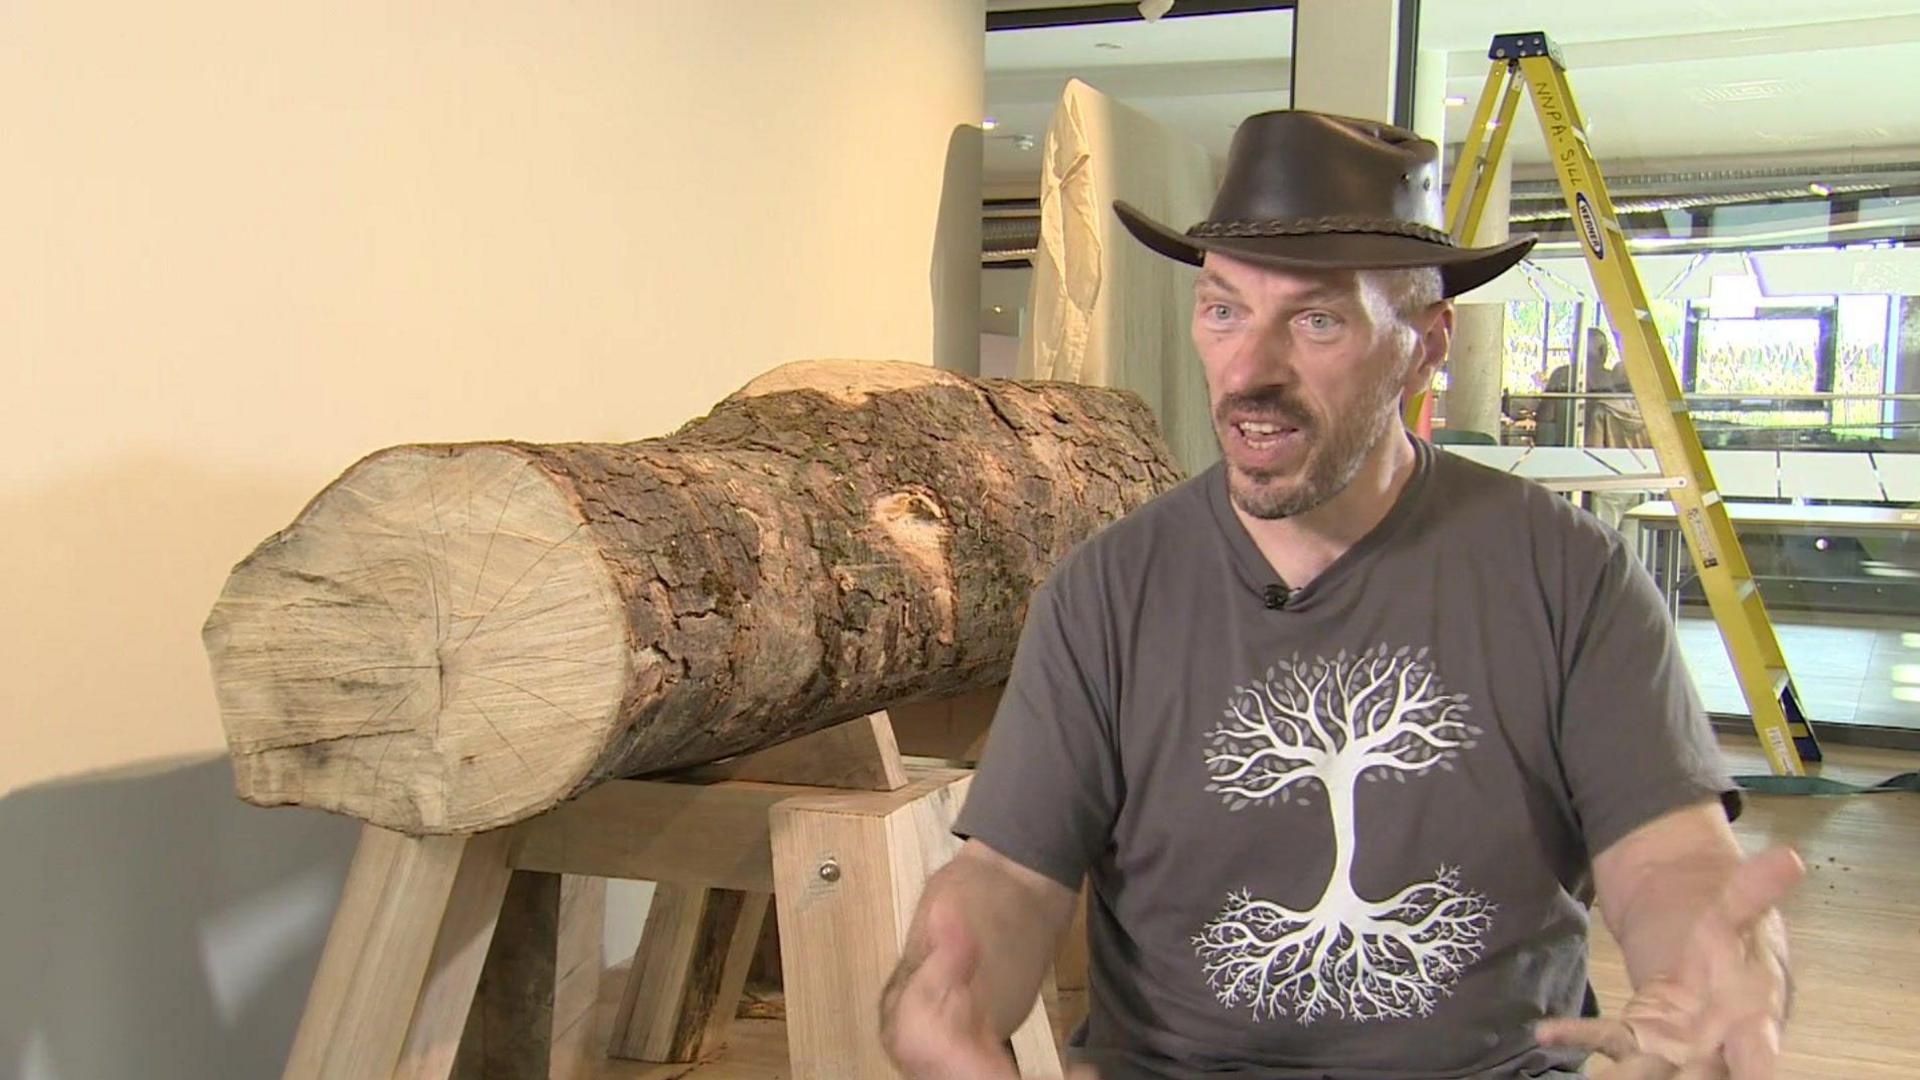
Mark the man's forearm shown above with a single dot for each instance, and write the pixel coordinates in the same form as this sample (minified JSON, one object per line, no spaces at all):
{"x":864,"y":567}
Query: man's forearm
{"x":1668,"y":902}
{"x":1658,"y":882}
{"x":1015,"y":918}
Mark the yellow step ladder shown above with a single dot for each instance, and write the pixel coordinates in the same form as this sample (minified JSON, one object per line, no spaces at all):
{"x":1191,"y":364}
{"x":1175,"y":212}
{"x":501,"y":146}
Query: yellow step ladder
{"x":1532,"y":61}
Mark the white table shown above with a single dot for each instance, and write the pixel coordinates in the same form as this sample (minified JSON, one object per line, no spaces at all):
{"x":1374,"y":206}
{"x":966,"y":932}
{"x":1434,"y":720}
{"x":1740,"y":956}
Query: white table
{"x":1662,"y":549}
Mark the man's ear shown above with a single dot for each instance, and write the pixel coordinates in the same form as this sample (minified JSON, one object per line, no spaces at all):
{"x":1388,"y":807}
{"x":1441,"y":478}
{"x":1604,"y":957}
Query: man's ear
{"x":1434,"y":336}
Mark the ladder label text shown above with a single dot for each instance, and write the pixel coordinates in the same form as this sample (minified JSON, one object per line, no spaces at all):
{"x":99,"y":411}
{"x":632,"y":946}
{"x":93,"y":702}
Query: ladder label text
{"x":1589,"y":225}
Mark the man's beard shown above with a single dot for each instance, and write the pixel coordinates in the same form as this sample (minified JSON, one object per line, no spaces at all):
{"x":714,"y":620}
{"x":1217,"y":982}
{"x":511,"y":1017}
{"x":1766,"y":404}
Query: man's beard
{"x":1336,"y":448}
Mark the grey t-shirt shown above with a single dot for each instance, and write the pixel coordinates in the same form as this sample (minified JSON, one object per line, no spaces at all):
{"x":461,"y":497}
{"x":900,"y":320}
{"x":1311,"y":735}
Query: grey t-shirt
{"x":1351,"y":837}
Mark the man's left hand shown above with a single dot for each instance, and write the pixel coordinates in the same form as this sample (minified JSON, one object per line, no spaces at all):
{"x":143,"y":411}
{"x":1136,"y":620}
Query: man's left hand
{"x":1720,"y":1009}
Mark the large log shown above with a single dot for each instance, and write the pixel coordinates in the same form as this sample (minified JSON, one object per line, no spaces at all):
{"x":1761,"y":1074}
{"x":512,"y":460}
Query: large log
{"x":453,"y":638}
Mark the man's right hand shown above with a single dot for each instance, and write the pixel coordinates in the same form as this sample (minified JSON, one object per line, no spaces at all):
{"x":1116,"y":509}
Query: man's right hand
{"x":954,"y":997}
{"x":934,"y":1026}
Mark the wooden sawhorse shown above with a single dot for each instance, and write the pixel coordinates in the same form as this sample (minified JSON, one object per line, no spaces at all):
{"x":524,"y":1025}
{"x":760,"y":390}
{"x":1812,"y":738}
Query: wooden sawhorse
{"x":479,"y":956}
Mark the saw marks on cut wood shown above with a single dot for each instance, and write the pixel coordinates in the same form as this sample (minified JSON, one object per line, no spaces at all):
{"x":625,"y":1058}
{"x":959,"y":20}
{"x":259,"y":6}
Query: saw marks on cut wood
{"x":445,"y":615}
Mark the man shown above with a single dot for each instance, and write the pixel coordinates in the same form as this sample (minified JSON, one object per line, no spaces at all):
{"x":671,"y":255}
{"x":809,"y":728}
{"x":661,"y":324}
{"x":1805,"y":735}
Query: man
{"x":1609,"y":421}
{"x":1612,"y":421}
{"x":1344,"y":733}
{"x":1553,"y":417}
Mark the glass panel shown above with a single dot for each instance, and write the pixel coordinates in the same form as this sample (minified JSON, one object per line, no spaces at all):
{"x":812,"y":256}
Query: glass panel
{"x":1771,"y":358}
{"x":1862,"y":366}
{"x":1758,"y":356}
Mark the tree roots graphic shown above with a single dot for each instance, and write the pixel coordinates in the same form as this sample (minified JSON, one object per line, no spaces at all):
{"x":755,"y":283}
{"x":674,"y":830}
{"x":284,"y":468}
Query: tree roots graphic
{"x":1396,"y":960}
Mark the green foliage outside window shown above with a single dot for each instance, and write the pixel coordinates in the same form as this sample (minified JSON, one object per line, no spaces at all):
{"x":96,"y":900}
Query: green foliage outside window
{"x":1763,"y":357}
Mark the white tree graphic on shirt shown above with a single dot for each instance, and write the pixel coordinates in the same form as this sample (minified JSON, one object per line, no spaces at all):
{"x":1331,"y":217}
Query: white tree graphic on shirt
{"x":1333,"y":723}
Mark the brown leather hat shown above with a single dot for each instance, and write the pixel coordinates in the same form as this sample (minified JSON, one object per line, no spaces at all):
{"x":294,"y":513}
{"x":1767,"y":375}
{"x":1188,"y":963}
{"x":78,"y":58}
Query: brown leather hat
{"x":1308,"y":190}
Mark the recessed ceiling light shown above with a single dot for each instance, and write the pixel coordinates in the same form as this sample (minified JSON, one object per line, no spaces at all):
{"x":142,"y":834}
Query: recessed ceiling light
{"x":1820,"y":189}
{"x":989,"y":124}
{"x":1454,"y":101}
{"x":1749,"y":90}
{"x":997,"y":309}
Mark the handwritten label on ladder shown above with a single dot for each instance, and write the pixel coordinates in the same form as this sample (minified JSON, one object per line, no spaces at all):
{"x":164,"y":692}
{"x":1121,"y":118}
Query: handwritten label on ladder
{"x":1777,"y":739}
{"x":1702,"y":538}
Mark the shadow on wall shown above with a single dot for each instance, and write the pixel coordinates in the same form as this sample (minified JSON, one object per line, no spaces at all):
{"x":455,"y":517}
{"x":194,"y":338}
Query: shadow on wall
{"x":152,"y":925}
{"x":955,"y":274}
{"x":155,"y":927}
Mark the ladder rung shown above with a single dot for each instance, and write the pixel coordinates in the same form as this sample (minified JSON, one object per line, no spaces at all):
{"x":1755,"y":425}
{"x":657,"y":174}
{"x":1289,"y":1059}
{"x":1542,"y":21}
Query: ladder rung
{"x":1745,"y":589}
{"x":1708,"y":498}
{"x":1781,"y":680}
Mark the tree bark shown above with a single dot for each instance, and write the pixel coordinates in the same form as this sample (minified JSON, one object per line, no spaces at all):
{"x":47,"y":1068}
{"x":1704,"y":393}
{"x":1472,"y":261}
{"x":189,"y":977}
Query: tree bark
{"x":454,"y":638}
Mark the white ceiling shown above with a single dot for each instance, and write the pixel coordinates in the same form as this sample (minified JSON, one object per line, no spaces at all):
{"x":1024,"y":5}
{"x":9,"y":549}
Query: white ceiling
{"x":1252,"y":36}
{"x":1198,"y":75}
{"x":1454,"y":25}
{"x":1720,"y":89}
{"x":1660,"y":81}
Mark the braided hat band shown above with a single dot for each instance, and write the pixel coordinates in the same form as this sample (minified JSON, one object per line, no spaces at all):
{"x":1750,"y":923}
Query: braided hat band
{"x":1320,"y":225}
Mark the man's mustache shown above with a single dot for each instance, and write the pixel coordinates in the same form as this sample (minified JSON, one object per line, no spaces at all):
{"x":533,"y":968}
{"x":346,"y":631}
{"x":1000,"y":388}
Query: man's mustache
{"x":1269,"y":403}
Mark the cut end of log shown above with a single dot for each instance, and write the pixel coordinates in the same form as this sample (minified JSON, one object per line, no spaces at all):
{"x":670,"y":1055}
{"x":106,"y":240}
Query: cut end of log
{"x":432,"y":641}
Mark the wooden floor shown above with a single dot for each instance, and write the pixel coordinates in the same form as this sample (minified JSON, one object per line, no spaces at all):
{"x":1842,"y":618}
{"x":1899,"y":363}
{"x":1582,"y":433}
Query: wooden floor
{"x":1855,"y":669}
{"x":1855,"y":927}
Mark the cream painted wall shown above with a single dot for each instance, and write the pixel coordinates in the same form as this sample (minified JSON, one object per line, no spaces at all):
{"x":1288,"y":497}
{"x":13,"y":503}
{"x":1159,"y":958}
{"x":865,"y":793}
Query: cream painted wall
{"x":248,"y":243}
